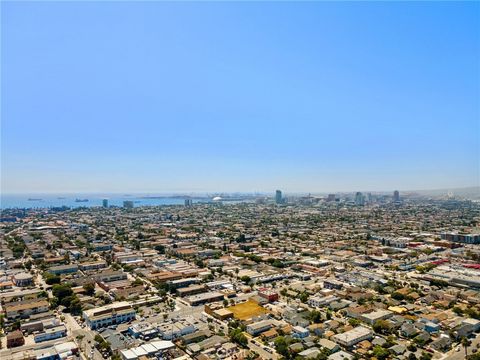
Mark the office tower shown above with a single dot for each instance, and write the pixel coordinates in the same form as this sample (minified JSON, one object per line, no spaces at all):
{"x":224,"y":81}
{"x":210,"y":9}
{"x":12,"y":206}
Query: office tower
{"x":359,"y":199}
{"x":369,"y":198}
{"x":105,"y":203}
{"x":278,"y":197}
{"x":188,"y":202}
{"x":331,"y":197}
{"x":396,"y":196}
{"x":128,"y":204}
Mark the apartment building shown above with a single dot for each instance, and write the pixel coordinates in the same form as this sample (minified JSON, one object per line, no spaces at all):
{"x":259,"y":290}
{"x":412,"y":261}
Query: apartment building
{"x":23,"y":309}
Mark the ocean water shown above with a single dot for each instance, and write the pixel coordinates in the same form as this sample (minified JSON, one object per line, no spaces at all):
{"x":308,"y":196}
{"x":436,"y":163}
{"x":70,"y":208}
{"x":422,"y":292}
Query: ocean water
{"x":56,"y":200}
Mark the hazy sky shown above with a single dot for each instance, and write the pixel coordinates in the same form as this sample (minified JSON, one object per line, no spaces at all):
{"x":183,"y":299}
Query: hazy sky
{"x":151,"y":96}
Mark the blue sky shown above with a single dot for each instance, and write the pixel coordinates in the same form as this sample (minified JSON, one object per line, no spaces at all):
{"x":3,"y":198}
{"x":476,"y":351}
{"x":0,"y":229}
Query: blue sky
{"x":159,"y":97}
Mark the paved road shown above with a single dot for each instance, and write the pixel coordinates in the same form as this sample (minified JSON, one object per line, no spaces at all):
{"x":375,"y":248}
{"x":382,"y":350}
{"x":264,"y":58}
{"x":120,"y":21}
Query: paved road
{"x":460,"y":355}
{"x":260,"y":351}
{"x":71,"y":323}
{"x":87,"y":344}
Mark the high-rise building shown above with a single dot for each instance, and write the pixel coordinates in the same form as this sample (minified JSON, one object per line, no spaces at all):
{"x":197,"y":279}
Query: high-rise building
{"x":369,"y":198}
{"x":396,"y":196}
{"x":359,"y":199}
{"x":188,"y":202}
{"x":331,"y":197}
{"x":278,"y":196}
{"x":128,"y":204}
{"x":105,"y":203}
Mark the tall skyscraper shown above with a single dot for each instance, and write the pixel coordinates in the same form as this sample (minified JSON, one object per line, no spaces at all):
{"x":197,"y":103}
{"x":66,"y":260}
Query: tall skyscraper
{"x":278,"y":196}
{"x":331,"y":197}
{"x":359,"y":199}
{"x":369,"y":198}
{"x":188,"y":202}
{"x":396,"y":196}
{"x":105,"y":203}
{"x":128,"y":204}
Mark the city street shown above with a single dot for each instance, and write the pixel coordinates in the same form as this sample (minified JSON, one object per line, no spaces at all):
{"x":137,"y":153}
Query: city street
{"x":253,"y":345}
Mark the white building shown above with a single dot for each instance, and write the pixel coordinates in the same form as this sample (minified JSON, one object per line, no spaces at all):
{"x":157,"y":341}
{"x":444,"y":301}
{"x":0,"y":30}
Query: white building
{"x":374,"y":316}
{"x":259,"y":327}
{"x":109,"y":315}
{"x":319,"y":301}
{"x":354,"y":336}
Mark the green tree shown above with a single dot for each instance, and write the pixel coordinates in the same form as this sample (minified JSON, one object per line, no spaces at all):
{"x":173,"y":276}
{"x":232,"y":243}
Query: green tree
{"x":457,"y":310}
{"x":89,"y":288}
{"x":425,"y":356}
{"x":465,"y":343}
{"x":160,"y":249}
{"x":62,"y":290}
{"x":281,"y":345}
{"x":246,"y":279}
{"x":303,"y":297}
{"x":381,"y":327}
{"x":236,"y":335}
{"x":380,"y":353}
{"x":51,"y":279}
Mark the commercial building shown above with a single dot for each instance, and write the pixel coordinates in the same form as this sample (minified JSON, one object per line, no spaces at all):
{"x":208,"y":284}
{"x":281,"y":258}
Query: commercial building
{"x":109,"y":314}
{"x":359,"y":199}
{"x":269,"y":295}
{"x":191,"y":290}
{"x":331,"y":197}
{"x":278,"y":197}
{"x":461,"y":238}
{"x":105,"y":203}
{"x":201,"y":299}
{"x":374,"y":316}
{"x":110,"y":275}
{"x":176,"y":329}
{"x":259,"y":327}
{"x":396,"y":196}
{"x":181,"y":283}
{"x":144,"y":331}
{"x":146,"y":350}
{"x":354,"y":336}
{"x":218,"y":311}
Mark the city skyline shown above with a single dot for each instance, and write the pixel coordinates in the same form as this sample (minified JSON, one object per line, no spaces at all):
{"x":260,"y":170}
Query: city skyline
{"x":215,"y":97}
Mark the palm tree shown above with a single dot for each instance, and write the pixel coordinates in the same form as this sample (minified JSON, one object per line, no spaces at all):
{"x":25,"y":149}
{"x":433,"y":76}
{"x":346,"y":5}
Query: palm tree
{"x":466,"y":343}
